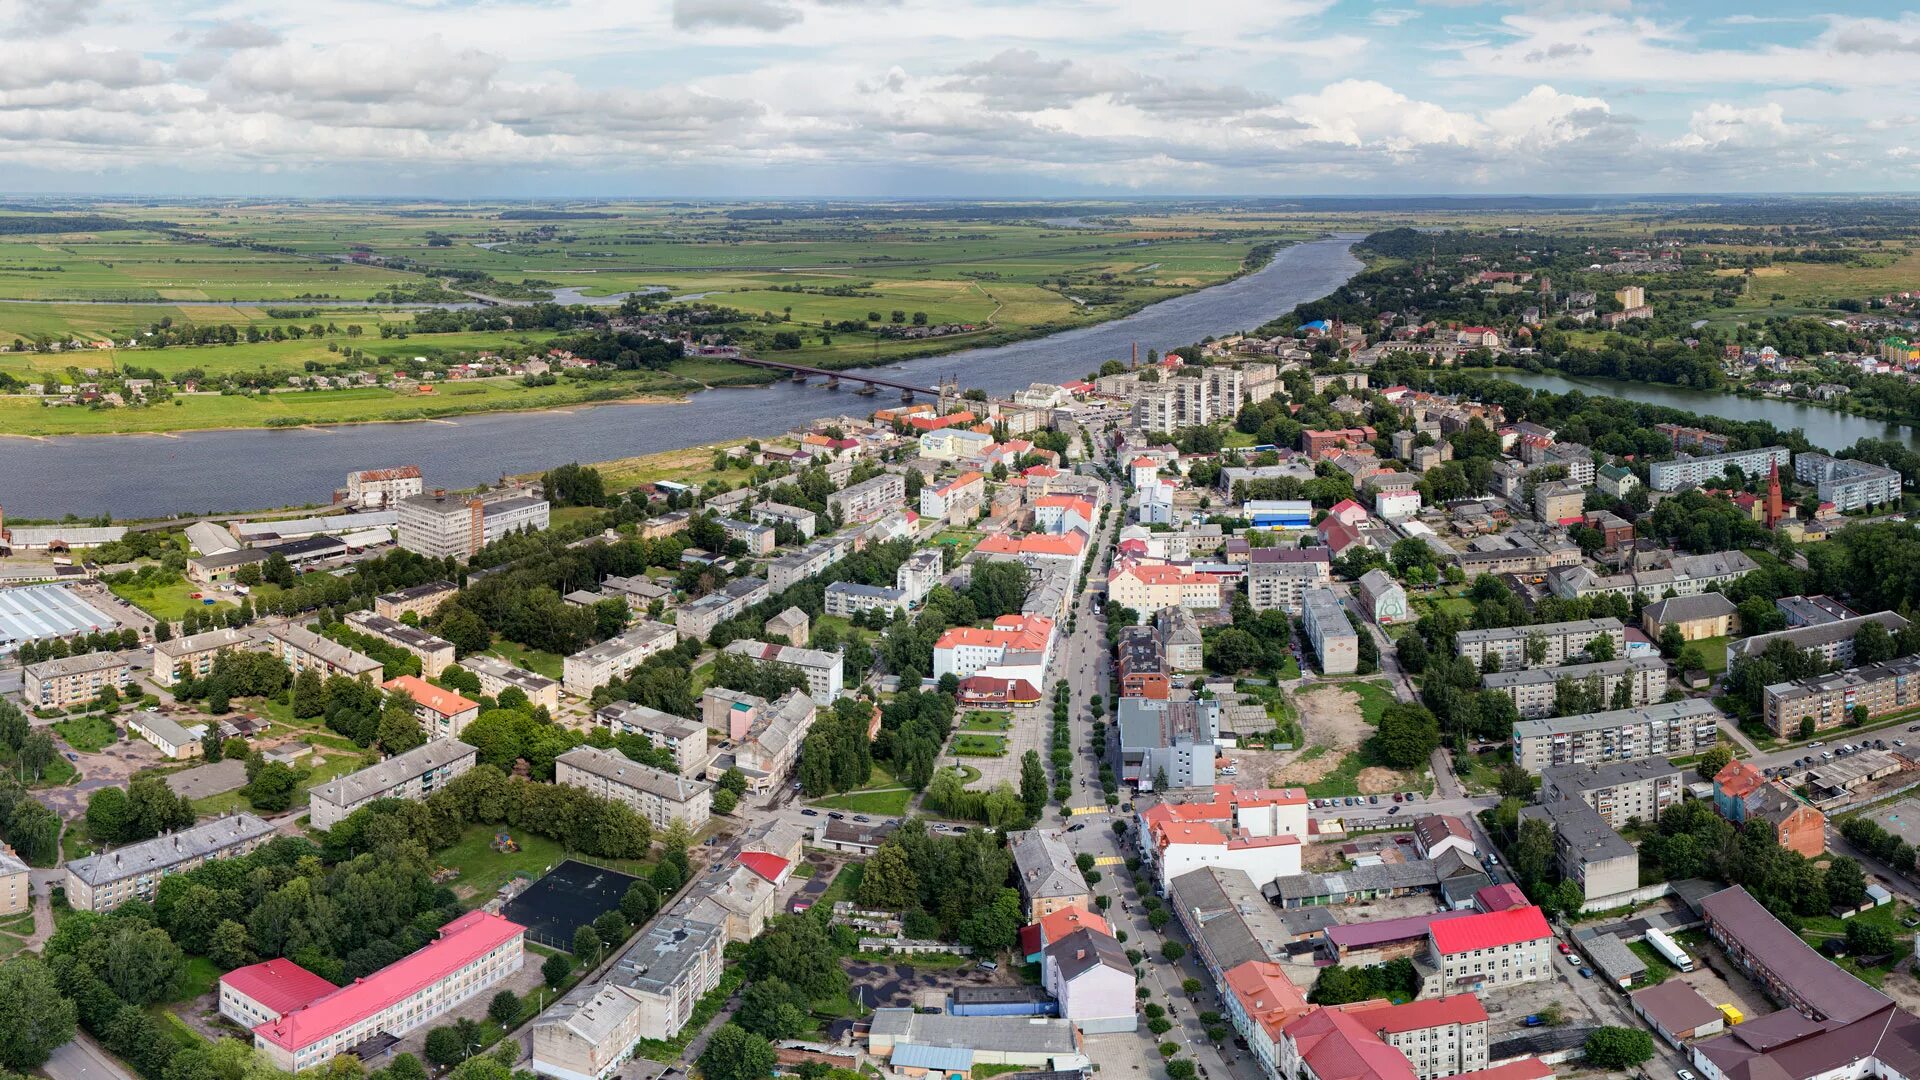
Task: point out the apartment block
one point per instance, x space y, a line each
496 676
698 619
442 526
1829 700
1561 641
1590 852
648 993
814 559
686 739
822 669
655 794
1336 644
104 881
1831 642
1684 470
436 654
778 514
869 499
763 740
1279 577
757 538
66 681
413 775
443 714
1846 483
303 650
849 598
422 600
615 658
1534 690
192 657
1442 1036
1666 729
1501 948
1618 791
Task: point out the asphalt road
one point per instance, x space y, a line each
82 1059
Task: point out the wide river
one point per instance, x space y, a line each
142 476
1825 428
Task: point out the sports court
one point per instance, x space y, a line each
39 612
571 896
1902 819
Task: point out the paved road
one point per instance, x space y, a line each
83 1059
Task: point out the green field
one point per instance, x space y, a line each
170 599
540 663
986 721
970 745
837 281
88 734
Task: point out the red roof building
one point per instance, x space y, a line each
472 953
1335 1046
264 992
767 865
986 690
1489 930
1500 897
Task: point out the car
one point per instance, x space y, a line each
988 965
836 815
1565 949
1586 973
1076 826
809 813
1899 742
862 819
1815 745
1397 797
1403 839
1826 755
71 756
959 828
1392 811
1684 1074
1373 800
1573 960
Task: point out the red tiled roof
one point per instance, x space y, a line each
1266 994
1068 919
1500 897
1338 1047
766 864
444 702
1433 1012
1490 930
461 942
279 984
1738 779
1524 1069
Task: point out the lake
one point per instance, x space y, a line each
144 476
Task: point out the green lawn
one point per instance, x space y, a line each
534 660
1818 929
1658 970
1480 773
201 975
986 721
970 745
484 870
88 734
967 773
335 766
170 599
1713 653
1374 699
845 885
889 803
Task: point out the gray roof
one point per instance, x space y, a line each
1501 680
10 864
1615 960
1609 774
299 637
1561 629
880 592
658 959
1009 1034
647 719
1413 875
1706 605
1235 921
72 535
224 559
613 766
382 627
356 787
76 665
1803 637
634 637
169 850
431 588
1086 949
1691 708
165 727
1044 865
1581 828
1825 988
494 667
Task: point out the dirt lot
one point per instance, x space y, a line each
1332 727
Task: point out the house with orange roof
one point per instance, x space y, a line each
1142 471
923 422
1036 550
1178 847
1262 1001
1147 586
1330 1044
1060 513
443 714
1036 936
1015 647
957 501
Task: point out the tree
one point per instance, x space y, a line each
273 787
228 946
724 801
1858 716
1671 641
1618 1047
734 1053
1869 939
1033 784
143 965
639 902
503 1008
772 1009
1846 885
444 1048
1173 951
1873 644
586 946
108 815
1713 760
889 883
994 926
34 1016
1600 648
1408 735
556 969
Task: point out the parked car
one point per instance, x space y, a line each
1586 973
1076 826
862 818
1565 948
836 815
1392 811
1573 960
1684 1074
809 813
988 965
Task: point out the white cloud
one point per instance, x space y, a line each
1751 127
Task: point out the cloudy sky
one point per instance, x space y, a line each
954 97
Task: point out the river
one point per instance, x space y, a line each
1826 428
144 476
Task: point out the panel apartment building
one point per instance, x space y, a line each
104 881
1618 791
436 654
413 775
1336 644
869 499
648 993
1846 483
422 600
496 675
1684 470
1829 700
66 681
655 794
1534 690
616 657
1668 728
442 526
1832 641
303 650
1280 577
192 657
1562 640
686 739
822 669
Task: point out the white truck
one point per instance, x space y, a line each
1670 949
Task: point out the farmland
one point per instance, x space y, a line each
340 289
